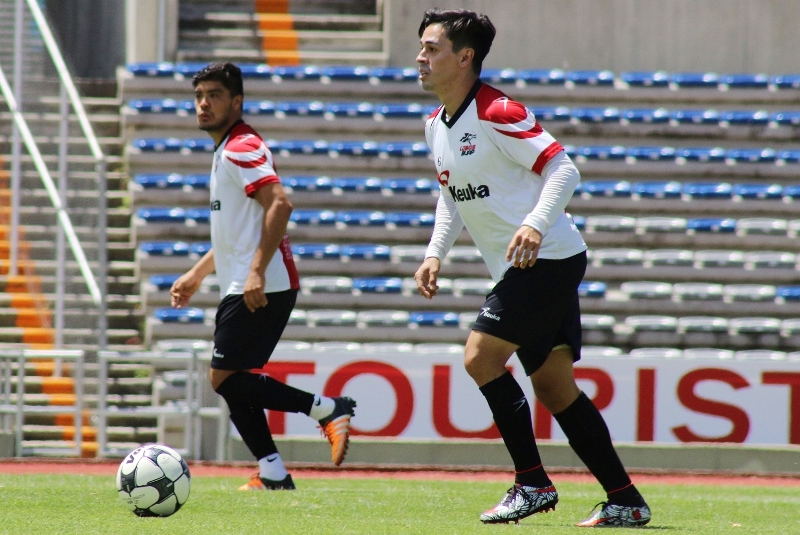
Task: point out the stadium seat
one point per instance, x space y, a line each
408 253
744 117
656 190
353 148
327 317
790 327
610 223
702 324
195 216
645 115
410 185
360 218
344 73
646 225
646 290
645 78
464 253
303 146
708 80
179 315
656 352
600 351
348 109
316 250
541 77
759 354
658 154
292 345
707 353
466 320
157 69
388 285
592 289
202 144
385 318
499 76
307 183
313 217
428 348
743 81
717 258
551 113
297 317
694 116
358 184
164 281
312 108
602 152
700 154
597 322
793 228
595 115
787 293
445 286
697 291
605 188
710 224
189 69
409 219
785 157
365 252
590 77
164 248
393 74
786 81
761 226
153 105
668 257
467 286
400 111
748 292
161 215
157 144
196 181
433 319
791 193
706 190
789 118
387 347
748 155
403 149
579 221
299 72
640 323
757 191
258 107
332 346
770 259
606 257
255 70
159 180
181 345
323 284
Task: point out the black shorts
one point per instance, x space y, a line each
245 340
536 308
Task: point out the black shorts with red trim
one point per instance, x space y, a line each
536 308
245 340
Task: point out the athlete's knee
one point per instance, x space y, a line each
217 377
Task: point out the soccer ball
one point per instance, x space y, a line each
153 480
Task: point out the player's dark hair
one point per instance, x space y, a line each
228 74
465 29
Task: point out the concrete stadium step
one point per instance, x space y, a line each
90 400
73 284
313 57
298 21
81 338
58 448
81 300
74 318
49 267
67 433
307 41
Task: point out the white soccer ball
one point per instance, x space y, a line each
153 480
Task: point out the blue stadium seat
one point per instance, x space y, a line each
602 152
707 190
551 113
189 69
592 289
344 73
748 155
358 184
296 72
316 250
606 188
302 108
590 77
786 81
389 285
353 148
651 153
184 107
541 77
366 251
646 115
153 105
656 190
202 144
313 217
164 281
401 111
692 116
157 144
711 224
787 293
179 315
791 192
645 78
744 117
410 185
403 148
161 214
160 69
164 248
701 154
362 218
198 215
307 183
788 156
757 191
499 76
197 181
744 81
198 249
789 117
410 219
596 115
159 180
255 70
394 74
348 109
303 146
433 319
694 79
579 221
258 107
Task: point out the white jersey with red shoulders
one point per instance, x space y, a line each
242 165
498 169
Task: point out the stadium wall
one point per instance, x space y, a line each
622 35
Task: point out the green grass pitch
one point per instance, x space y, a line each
45 504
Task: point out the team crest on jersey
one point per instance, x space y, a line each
468 147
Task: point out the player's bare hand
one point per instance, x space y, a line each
524 247
184 288
427 276
254 296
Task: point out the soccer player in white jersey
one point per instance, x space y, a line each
508 182
258 281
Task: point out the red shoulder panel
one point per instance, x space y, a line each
494 106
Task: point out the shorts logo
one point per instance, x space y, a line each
486 314
216 354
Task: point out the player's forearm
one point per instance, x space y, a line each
561 178
276 219
204 266
446 229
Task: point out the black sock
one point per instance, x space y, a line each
512 414
589 437
251 422
248 389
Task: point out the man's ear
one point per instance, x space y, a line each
238 101
465 56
